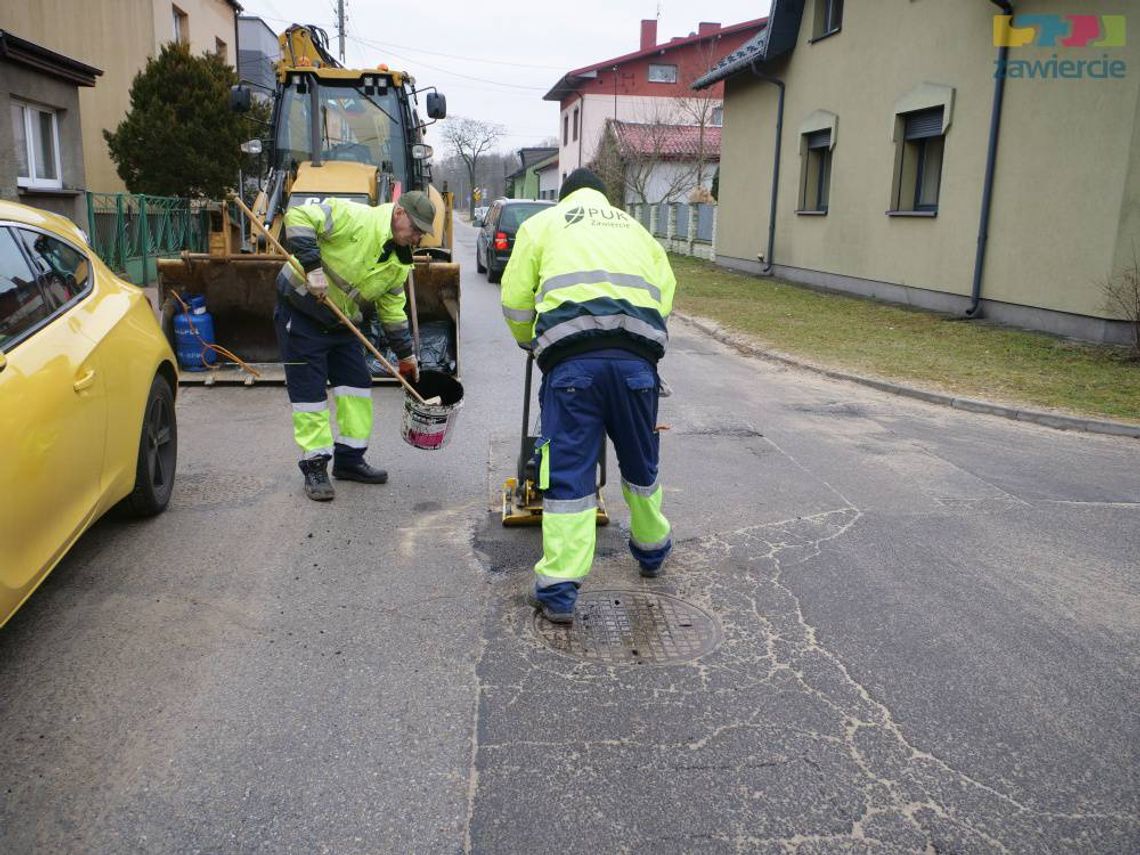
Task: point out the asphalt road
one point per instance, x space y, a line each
927 640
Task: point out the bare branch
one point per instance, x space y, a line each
469 139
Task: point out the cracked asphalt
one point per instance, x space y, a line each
929 625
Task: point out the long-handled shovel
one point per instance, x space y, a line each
333 306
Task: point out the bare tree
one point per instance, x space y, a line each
644 161
700 107
638 163
469 140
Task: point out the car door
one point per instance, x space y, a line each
52 416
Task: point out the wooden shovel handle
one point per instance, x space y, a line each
329 303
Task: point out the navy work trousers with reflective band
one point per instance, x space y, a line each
584 398
316 357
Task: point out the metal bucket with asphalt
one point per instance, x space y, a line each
428 426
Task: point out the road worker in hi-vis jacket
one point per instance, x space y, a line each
358 257
587 291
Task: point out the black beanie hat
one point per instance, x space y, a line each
579 179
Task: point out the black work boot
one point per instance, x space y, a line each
318 487
359 471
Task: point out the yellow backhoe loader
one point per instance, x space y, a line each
351 133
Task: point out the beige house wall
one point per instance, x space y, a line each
1066 168
117 36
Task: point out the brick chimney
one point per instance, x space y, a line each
648 34
707 28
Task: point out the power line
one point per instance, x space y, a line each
457 56
448 71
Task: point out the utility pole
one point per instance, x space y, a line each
340 27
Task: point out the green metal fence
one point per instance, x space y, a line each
131 231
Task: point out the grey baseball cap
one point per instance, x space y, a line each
420 208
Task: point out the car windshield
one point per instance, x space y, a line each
513 216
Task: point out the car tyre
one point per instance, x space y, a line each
494 274
479 266
158 454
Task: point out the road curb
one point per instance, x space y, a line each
971 405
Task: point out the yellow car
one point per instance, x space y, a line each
87 383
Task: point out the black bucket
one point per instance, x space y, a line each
428 426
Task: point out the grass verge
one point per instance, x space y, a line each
971 359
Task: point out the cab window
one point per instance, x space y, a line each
61 269
23 305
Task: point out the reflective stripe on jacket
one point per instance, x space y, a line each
353 244
583 276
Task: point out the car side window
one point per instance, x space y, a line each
22 302
62 270
493 216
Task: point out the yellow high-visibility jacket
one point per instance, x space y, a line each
585 276
353 244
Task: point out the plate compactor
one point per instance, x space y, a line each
522 497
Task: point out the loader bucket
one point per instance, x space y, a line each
239 292
241 295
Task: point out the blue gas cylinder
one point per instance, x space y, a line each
193 330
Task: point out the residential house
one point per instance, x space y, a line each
652 85
523 183
653 163
937 154
43 166
258 53
118 38
549 181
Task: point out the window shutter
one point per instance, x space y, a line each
924 124
819 139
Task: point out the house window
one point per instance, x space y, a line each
181 25
816 182
828 18
565 130
220 49
717 117
575 123
36 130
918 173
662 73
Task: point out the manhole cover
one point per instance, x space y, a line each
628 628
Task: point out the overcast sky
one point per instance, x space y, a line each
494 61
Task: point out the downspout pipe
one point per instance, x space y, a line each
974 311
581 125
768 263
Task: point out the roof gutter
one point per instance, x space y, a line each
768 263
974 311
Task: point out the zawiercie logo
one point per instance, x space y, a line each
1095 31
574 215
1061 31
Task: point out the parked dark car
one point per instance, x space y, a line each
496 238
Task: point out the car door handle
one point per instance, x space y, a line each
86 381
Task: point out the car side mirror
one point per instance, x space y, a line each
477 222
436 105
240 98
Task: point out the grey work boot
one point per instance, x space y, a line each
318 487
547 612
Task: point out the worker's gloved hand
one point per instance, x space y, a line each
316 283
409 368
